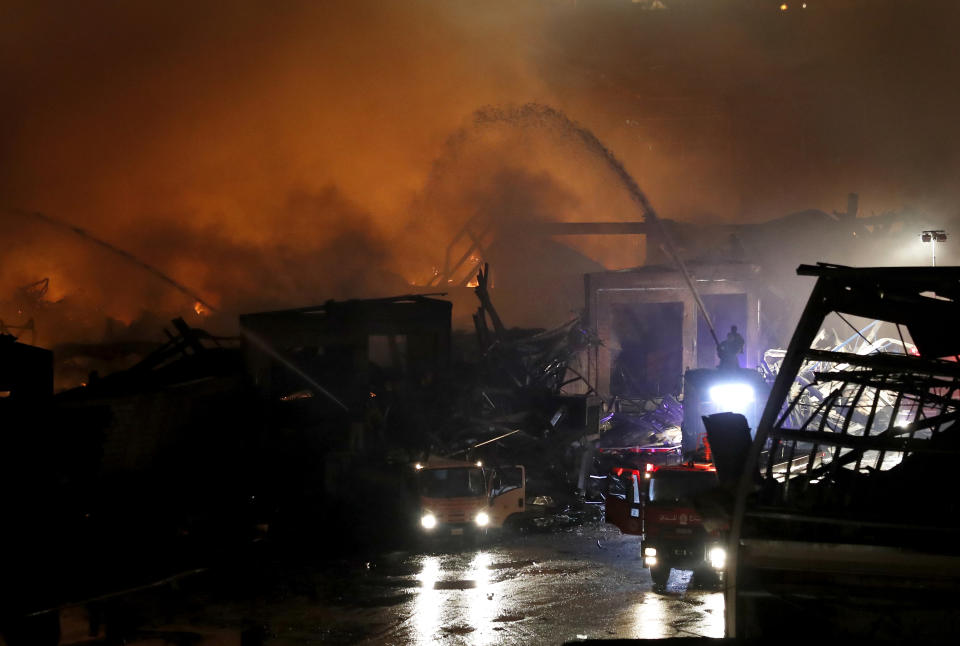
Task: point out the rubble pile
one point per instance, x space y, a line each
514 407
657 426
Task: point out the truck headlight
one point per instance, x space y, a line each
649 551
718 557
482 519
429 521
649 561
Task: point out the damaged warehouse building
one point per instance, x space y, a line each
653 335
619 366
312 412
640 333
640 330
643 351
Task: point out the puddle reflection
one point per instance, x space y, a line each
713 623
460 600
484 602
650 617
679 612
426 607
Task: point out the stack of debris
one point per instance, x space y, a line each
526 359
517 406
810 391
658 427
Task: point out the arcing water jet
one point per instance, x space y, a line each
544 116
83 233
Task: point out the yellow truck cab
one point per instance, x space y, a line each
459 497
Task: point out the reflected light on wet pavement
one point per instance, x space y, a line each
426 606
675 613
651 617
483 600
549 589
459 601
586 583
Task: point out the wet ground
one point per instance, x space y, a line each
581 583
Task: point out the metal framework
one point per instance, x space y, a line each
845 504
479 232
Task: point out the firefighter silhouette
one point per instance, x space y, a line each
730 349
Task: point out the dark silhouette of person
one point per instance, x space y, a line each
730 349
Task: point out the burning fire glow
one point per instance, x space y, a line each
200 309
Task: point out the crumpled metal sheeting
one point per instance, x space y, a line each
658 427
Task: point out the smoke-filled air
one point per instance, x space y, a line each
165 159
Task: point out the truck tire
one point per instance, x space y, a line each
660 574
708 578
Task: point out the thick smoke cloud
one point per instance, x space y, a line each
278 154
262 155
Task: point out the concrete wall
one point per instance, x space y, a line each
666 285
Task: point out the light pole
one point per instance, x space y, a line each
933 237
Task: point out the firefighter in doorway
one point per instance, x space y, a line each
730 349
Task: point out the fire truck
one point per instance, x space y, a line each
656 504
460 498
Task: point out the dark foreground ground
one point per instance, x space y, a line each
584 582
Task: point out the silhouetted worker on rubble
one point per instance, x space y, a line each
730 349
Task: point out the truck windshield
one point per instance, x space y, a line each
668 486
452 483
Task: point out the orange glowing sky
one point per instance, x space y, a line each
277 154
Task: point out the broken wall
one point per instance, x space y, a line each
650 329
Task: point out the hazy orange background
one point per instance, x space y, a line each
280 154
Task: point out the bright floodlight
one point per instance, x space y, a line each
718 557
933 236
733 397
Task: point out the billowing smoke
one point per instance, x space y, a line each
263 156
278 154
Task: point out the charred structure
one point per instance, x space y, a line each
182 460
844 511
26 371
357 358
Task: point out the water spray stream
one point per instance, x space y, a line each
534 114
83 233
292 367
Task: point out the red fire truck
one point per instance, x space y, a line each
656 504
